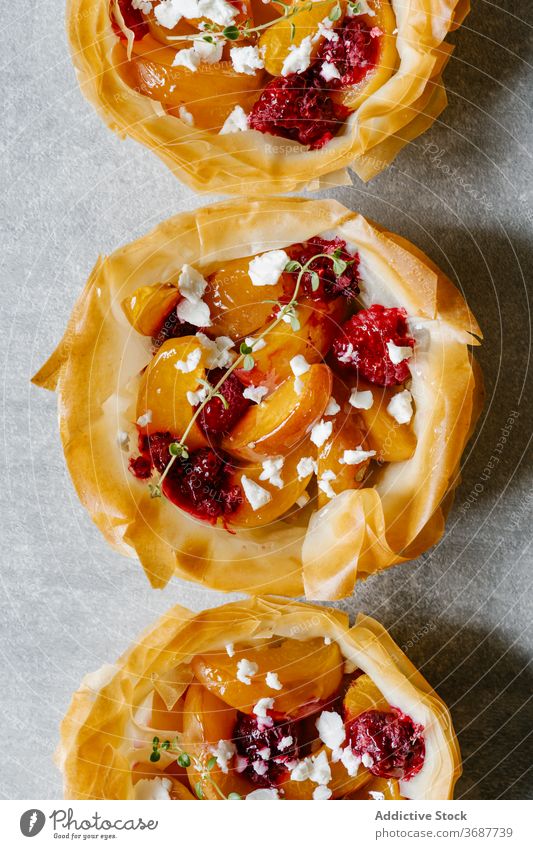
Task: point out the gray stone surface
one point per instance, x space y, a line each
463 193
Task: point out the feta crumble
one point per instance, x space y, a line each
123 439
255 344
169 12
329 72
367 760
320 432
267 268
350 762
260 709
272 467
299 365
246 669
145 419
285 743
298 58
361 400
306 466
186 116
302 500
333 408
321 792
196 313
191 308
197 397
400 407
330 727
324 483
256 495
218 353
398 353
230 650
353 458
223 752
263 794
255 393
155 789
236 122
190 363
246 60
273 682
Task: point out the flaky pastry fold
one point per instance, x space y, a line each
393 115
96 372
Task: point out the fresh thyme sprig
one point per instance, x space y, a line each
286 312
185 760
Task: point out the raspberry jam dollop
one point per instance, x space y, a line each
393 741
354 52
330 285
361 344
217 418
264 752
200 485
294 107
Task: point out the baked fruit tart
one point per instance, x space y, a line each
267 396
275 95
261 699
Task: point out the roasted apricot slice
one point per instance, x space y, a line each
148 307
378 789
391 441
308 671
238 308
162 398
177 775
282 420
290 31
346 435
164 718
363 695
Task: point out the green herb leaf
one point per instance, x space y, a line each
315 281
198 790
155 490
208 38
221 397
155 757
335 13
248 363
175 449
293 265
211 763
245 349
339 266
165 745
184 759
293 31
231 32
234 796
295 324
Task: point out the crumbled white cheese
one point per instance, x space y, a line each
325 30
398 353
273 681
267 268
218 351
302 770
376 795
400 407
330 727
263 794
223 752
361 8
306 466
350 761
255 344
154 789
246 669
333 408
208 52
262 706
196 313
260 767
298 58
272 467
349 355
256 495
320 432
264 753
353 458
361 400
327 641
191 283
367 760
188 365
255 393
169 12
246 60
197 397
321 771
324 483
145 419
236 122
299 365
285 743
302 500
321 792
123 439
143 6
186 116
329 72
230 650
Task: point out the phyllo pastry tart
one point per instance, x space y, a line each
260 699
267 396
276 95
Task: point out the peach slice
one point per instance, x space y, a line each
363 695
210 93
237 306
288 32
378 789
391 441
208 720
388 59
282 499
308 671
345 436
164 718
164 387
318 326
148 307
177 775
281 421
